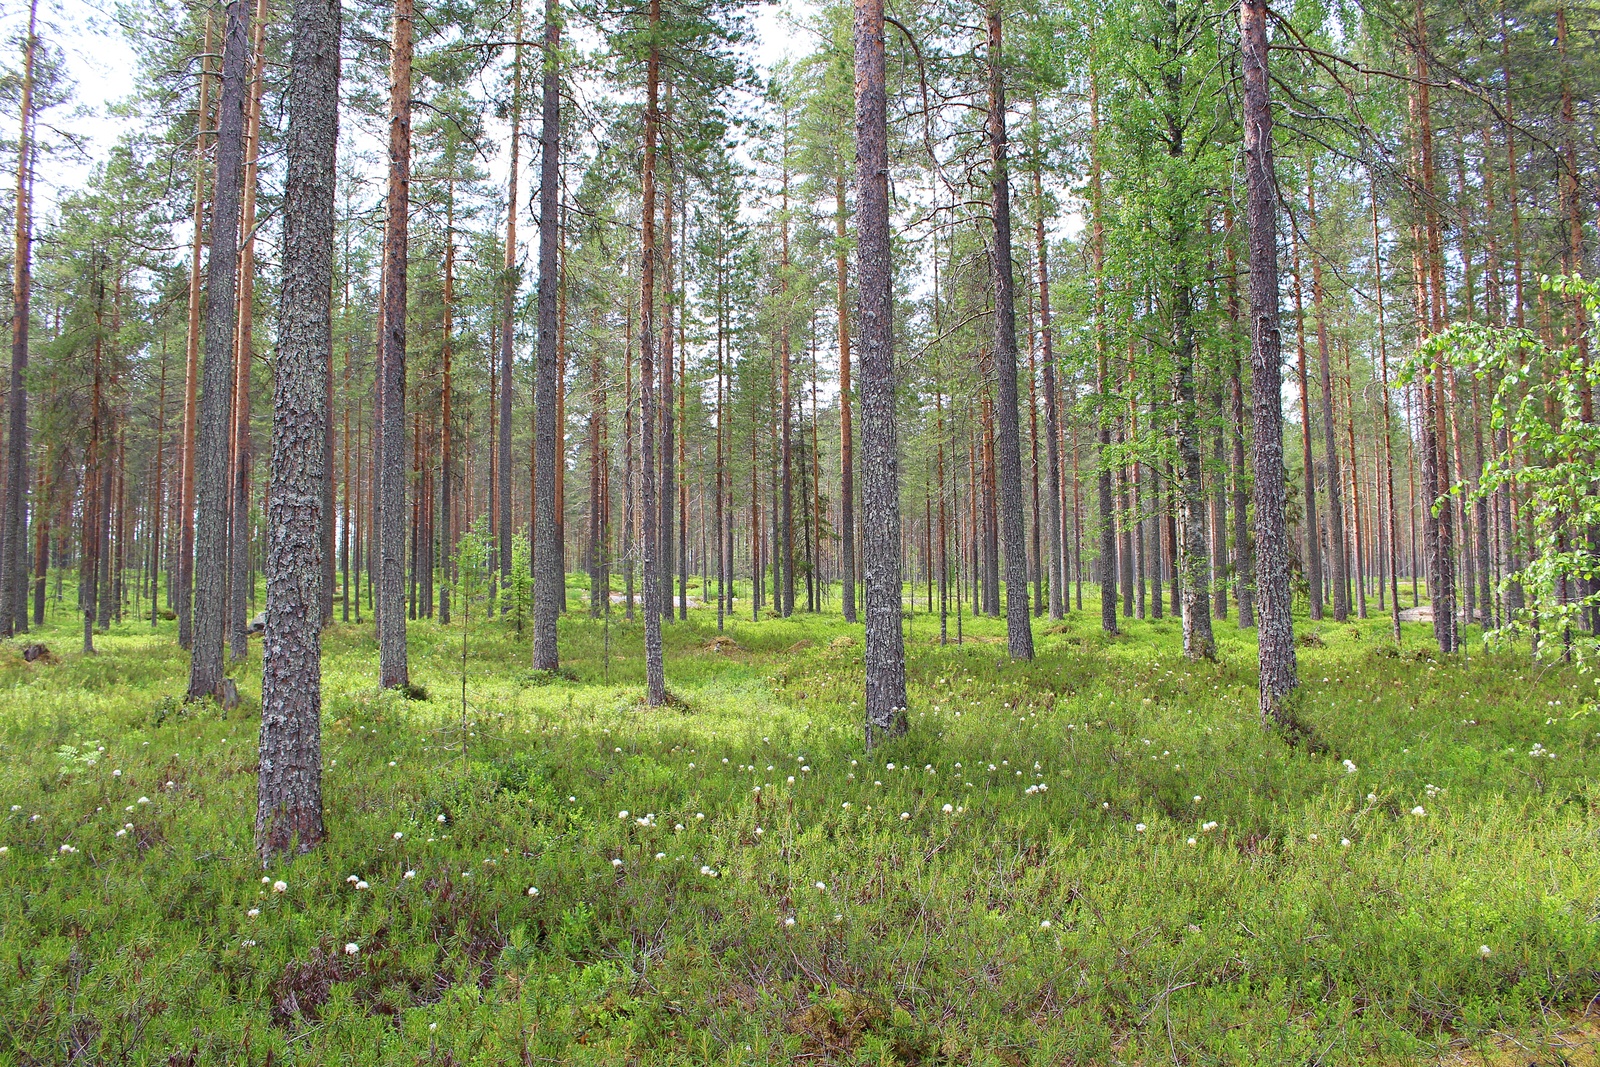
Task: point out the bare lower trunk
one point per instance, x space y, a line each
289 791
547 578
1276 655
1019 626
216 390
654 670
884 655
847 497
390 606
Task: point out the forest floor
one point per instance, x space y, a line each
1099 857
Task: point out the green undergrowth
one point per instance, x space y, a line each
1098 857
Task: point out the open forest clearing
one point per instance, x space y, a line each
1152 444
1096 857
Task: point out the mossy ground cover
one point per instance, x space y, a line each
1099 857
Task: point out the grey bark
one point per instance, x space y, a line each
547 579
390 604
216 381
654 669
289 789
1276 647
884 655
1019 625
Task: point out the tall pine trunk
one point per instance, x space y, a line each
1276 647
547 578
216 385
191 381
289 789
239 542
884 655
1019 626
13 532
1339 578
390 605
501 519
847 496
654 669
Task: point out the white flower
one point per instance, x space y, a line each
1044 924
1484 951
351 948
440 818
116 773
616 862
1344 842
361 885
1349 767
846 805
121 832
4 849
67 850
142 800
353 879
253 912
623 814
432 1027
822 886
759 831
1138 828
699 815
409 874
904 815
398 835
789 921
791 780
947 809
280 886
1418 810
1190 842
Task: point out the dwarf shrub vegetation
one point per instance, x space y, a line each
1098 857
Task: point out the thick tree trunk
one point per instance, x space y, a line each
13 531
1276 655
289 792
547 578
390 605
1019 626
216 387
884 655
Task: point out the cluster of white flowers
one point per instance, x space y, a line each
1037 787
1349 767
1539 750
1207 827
